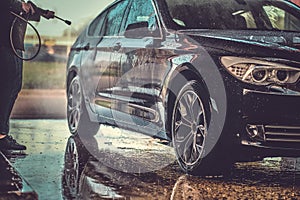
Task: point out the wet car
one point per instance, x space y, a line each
217 81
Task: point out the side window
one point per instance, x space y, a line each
281 19
96 25
114 19
142 11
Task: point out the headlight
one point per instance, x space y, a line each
260 72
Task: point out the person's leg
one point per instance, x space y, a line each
7 76
16 83
10 85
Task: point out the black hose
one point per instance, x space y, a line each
11 37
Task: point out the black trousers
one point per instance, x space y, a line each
11 70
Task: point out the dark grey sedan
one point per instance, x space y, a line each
217 81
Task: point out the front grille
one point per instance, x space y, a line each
287 134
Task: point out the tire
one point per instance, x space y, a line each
77 114
189 131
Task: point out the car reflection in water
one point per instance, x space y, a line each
85 177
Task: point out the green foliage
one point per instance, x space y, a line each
44 75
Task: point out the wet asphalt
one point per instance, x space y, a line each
117 164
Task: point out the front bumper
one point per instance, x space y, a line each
271 122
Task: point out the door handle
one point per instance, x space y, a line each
86 47
117 46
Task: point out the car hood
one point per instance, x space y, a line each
253 43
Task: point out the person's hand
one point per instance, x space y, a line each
27 7
49 14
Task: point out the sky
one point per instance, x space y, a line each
77 11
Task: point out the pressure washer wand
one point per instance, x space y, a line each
66 21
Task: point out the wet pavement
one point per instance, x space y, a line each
117 164
12 184
42 165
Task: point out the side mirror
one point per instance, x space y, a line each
137 30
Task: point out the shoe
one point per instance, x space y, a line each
8 143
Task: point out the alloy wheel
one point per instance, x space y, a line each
189 127
74 105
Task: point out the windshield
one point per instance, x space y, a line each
235 14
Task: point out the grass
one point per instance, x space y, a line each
44 75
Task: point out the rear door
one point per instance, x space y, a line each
107 59
138 83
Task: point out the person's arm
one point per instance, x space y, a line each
40 12
48 14
16 6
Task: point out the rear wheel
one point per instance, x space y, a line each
189 128
77 114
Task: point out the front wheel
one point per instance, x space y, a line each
189 128
77 114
